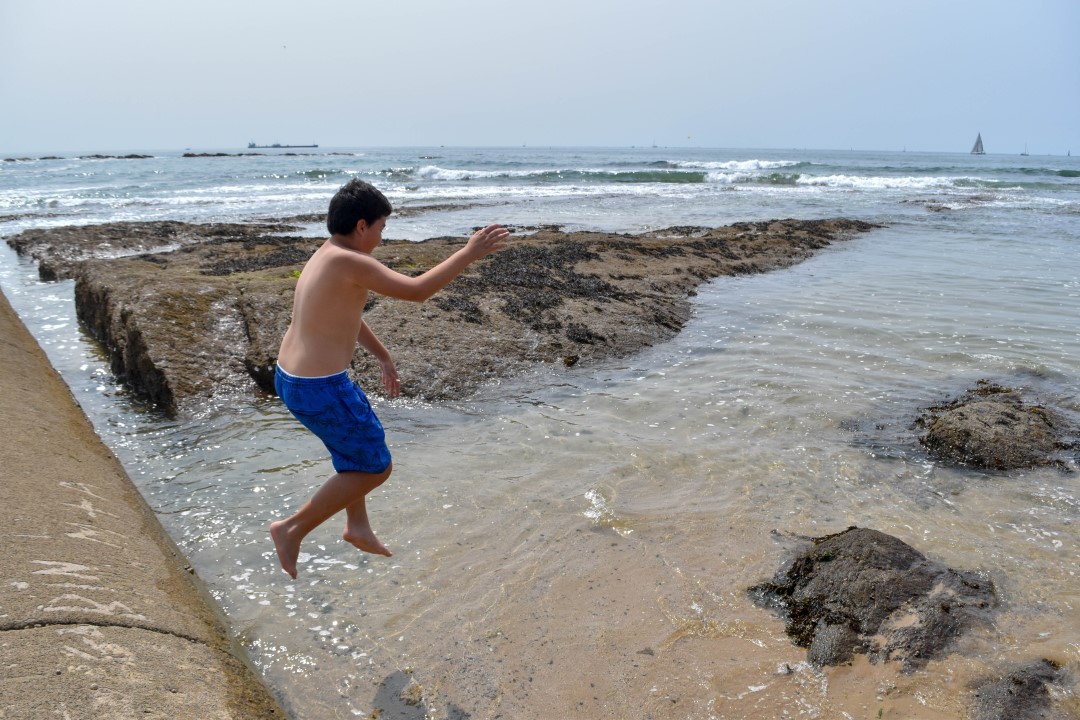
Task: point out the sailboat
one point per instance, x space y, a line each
978 149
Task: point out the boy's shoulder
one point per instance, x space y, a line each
336 252
345 262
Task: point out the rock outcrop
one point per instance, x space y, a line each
991 427
862 591
207 311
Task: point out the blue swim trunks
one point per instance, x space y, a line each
337 411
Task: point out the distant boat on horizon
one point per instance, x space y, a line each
978 149
252 145
1025 153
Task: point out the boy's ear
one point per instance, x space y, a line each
361 225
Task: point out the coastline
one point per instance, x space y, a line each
101 615
763 415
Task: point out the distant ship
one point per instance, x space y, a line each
278 146
978 149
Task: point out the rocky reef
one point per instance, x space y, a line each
186 311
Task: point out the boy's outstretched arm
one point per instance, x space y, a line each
383 280
370 342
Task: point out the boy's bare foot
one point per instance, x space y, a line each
363 538
287 550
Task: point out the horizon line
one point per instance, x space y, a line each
9 155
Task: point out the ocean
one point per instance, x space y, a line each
577 542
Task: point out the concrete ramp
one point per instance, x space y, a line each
100 615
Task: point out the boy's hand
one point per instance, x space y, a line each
488 240
390 377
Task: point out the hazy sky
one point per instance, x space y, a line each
111 75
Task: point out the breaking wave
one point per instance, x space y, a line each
738 165
435 173
857 182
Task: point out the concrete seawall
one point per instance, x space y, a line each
100 615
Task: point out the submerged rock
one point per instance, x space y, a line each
991 427
862 591
1023 694
207 311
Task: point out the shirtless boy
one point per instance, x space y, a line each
327 322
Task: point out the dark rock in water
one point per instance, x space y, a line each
1021 695
132 156
196 310
862 591
833 644
401 697
992 428
222 154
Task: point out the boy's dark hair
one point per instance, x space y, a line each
356 201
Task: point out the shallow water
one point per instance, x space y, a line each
577 542
654 484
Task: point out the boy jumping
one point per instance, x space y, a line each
327 322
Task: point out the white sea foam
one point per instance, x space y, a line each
737 165
723 178
434 172
479 193
856 182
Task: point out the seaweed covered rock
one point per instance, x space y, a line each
1023 694
991 427
862 591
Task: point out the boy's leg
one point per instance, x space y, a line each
343 491
358 532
